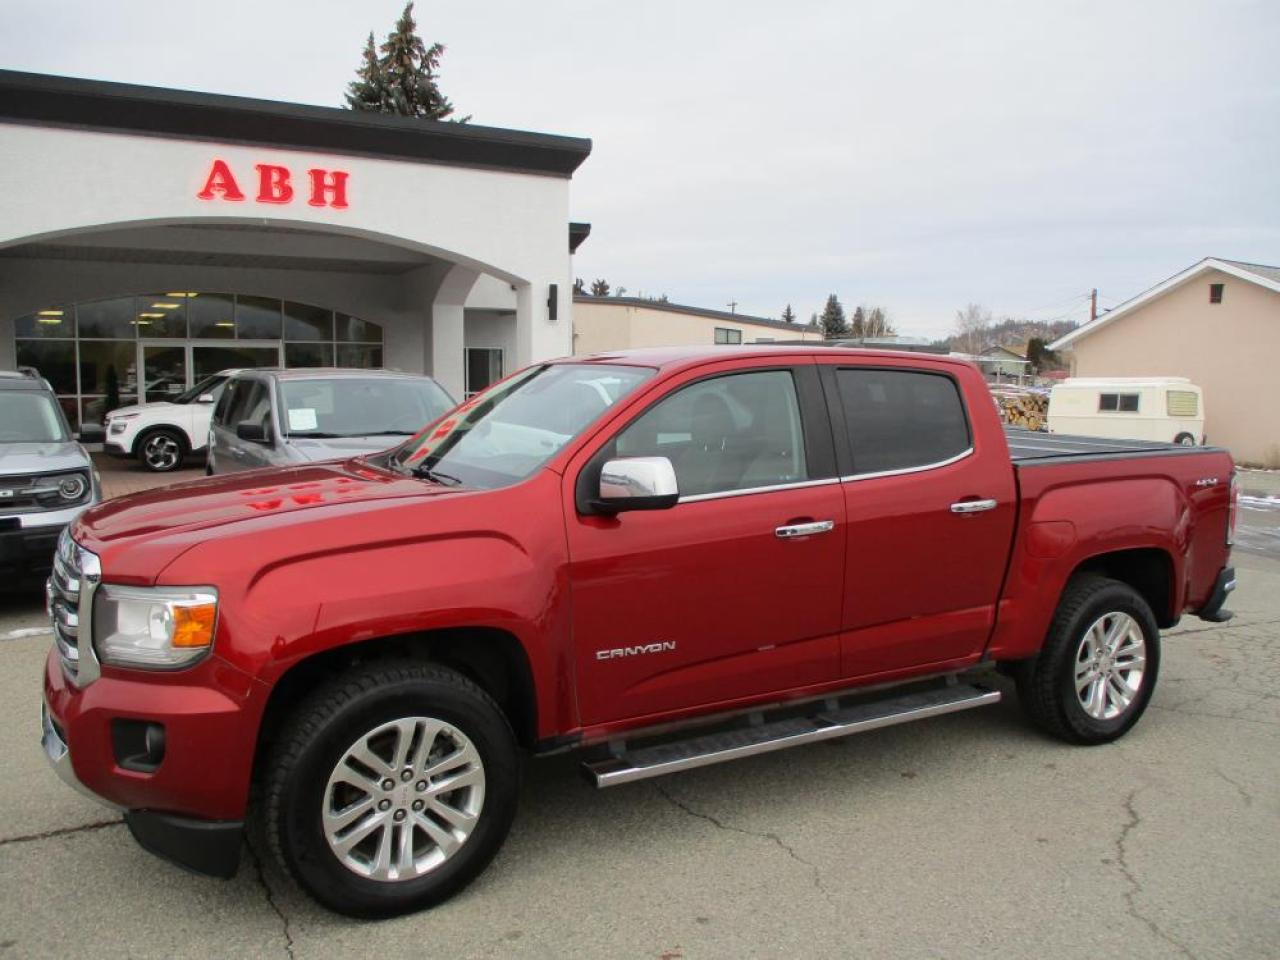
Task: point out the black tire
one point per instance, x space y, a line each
167 440
315 739
1046 684
1185 440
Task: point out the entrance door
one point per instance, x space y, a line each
164 371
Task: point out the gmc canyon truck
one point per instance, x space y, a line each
663 559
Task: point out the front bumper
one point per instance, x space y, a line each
28 540
190 808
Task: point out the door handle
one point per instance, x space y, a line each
973 506
793 530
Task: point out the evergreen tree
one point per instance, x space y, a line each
404 79
579 288
600 288
858 324
832 320
788 315
369 90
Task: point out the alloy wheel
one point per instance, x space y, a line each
161 452
1109 665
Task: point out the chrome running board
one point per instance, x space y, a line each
655 761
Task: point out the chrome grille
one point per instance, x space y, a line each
68 593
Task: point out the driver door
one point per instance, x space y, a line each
710 601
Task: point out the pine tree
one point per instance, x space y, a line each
369 90
858 324
832 320
788 315
403 80
600 288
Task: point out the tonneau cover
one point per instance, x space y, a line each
1029 446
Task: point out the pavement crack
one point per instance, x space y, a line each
719 824
62 832
1135 885
285 927
1244 794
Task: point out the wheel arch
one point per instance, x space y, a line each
492 658
183 437
1148 570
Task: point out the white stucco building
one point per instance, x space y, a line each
149 237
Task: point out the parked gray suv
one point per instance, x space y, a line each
46 476
268 418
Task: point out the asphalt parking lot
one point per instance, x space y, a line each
963 836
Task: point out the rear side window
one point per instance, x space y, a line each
901 419
222 411
1184 403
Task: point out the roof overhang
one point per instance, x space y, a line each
43 100
1160 289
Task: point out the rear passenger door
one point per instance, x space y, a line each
930 509
246 398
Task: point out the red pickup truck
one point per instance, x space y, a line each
661 558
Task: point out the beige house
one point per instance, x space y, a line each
1216 323
602 324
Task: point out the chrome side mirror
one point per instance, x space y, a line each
637 483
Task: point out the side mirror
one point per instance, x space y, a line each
91 433
205 398
637 483
253 431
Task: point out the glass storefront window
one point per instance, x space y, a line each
354 330
107 319
211 316
308 354
71 410
55 322
305 322
54 359
109 368
257 318
161 315
359 355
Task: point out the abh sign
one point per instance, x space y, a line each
326 188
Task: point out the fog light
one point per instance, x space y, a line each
138 745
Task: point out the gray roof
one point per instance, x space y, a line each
694 311
1260 269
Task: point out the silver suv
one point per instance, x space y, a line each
268 418
46 476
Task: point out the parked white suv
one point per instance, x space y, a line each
162 434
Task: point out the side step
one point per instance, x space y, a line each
655 761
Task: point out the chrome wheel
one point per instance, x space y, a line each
1109 665
161 452
403 799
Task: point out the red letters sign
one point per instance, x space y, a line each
326 188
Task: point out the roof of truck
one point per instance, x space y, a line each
675 357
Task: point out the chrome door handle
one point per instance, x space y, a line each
973 506
804 529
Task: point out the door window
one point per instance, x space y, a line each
234 403
737 432
901 419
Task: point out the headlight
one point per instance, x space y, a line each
72 487
156 627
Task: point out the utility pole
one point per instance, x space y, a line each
733 306
1093 304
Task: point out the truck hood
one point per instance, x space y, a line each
18 458
313 450
138 535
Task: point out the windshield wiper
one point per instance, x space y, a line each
436 476
317 435
385 433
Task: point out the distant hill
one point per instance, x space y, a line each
1014 332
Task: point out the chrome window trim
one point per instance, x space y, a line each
905 470
747 491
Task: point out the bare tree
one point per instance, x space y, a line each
973 327
875 322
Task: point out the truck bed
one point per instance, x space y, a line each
1029 447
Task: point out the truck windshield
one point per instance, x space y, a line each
29 418
360 406
504 434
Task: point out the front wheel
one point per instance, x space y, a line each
392 788
1095 674
161 451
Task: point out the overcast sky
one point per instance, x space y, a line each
918 155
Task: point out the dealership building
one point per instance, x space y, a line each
150 237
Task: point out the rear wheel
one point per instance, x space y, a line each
391 789
1185 440
1094 677
161 451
